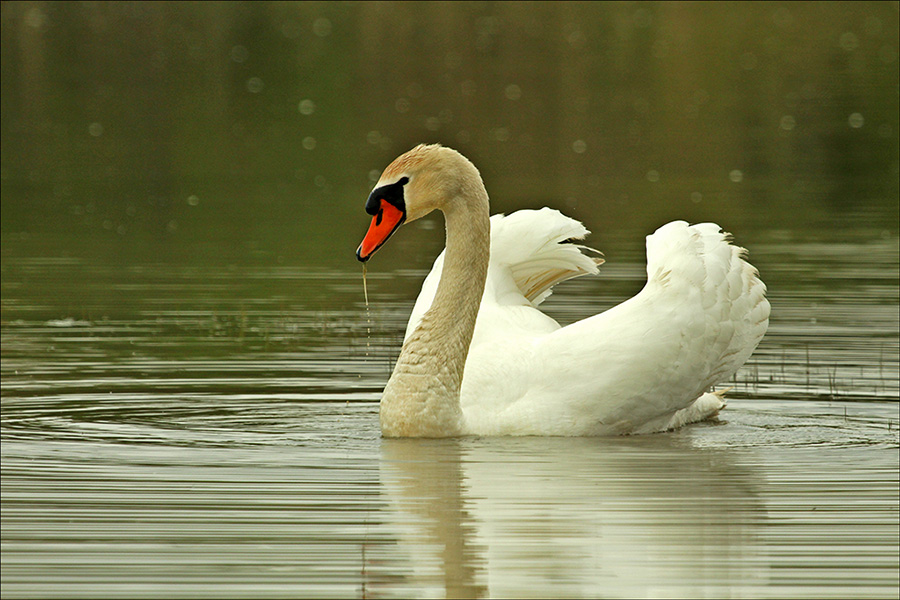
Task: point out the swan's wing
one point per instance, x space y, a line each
535 245
531 251
696 321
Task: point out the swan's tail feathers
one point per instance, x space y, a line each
538 246
699 264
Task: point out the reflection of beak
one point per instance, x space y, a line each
384 223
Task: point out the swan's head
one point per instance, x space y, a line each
426 178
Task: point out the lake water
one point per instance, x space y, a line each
190 375
214 432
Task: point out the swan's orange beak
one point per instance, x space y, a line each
384 223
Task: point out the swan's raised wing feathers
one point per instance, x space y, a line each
531 251
535 246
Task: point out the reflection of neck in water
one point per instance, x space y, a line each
423 482
507 517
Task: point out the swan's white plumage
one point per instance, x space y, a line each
641 366
528 257
480 358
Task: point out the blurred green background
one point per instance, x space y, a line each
208 132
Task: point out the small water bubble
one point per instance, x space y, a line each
306 107
35 18
856 120
432 123
193 200
736 176
576 38
696 197
848 41
254 85
579 146
486 32
95 129
309 142
320 181
239 54
787 123
322 27
500 134
513 92
402 105
374 174
653 175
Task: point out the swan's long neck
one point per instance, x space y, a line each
422 397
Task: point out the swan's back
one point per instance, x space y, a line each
630 369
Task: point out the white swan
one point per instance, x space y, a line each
480 359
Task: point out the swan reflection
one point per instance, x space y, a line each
514 517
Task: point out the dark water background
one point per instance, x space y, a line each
190 375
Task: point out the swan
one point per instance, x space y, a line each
479 358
